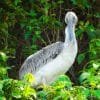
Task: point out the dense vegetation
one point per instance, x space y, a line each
28 25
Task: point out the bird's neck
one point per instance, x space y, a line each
70 34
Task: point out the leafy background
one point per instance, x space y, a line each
27 26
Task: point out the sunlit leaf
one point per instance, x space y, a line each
3 57
28 91
96 66
84 76
2 98
29 78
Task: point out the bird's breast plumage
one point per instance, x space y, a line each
56 67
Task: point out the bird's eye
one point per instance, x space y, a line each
73 18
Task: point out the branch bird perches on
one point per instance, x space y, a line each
55 59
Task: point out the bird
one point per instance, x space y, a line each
51 61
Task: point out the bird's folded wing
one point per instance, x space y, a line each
35 61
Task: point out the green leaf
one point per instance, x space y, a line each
42 94
84 76
1 85
96 66
80 58
61 82
3 72
16 93
29 78
96 93
28 91
98 43
3 57
2 98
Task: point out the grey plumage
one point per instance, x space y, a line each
34 62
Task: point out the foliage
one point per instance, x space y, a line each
23 22
11 89
26 26
61 89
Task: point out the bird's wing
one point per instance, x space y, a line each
40 58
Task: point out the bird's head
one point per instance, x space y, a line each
71 18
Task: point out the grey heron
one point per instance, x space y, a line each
55 59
